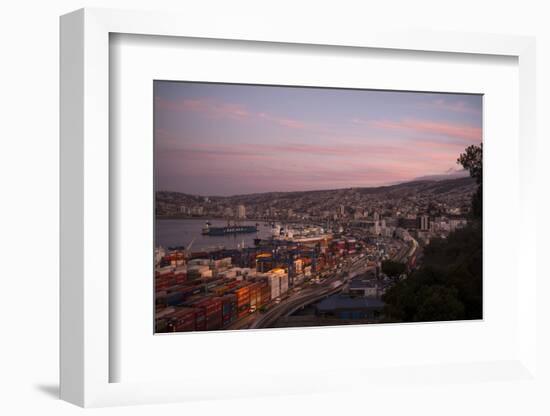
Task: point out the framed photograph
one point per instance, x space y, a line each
292 208
282 206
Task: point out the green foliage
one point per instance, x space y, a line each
477 203
447 287
393 268
440 303
472 160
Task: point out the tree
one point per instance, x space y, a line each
393 268
448 285
472 160
439 303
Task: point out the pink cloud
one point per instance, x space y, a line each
206 106
459 131
455 107
342 151
217 109
349 164
286 122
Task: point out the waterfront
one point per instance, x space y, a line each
181 232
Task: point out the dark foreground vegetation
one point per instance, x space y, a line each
448 285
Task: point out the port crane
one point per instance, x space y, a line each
188 248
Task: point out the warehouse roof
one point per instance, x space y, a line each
344 302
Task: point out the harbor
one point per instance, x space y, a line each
181 232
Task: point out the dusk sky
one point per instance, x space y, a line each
225 139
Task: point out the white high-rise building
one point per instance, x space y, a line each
424 223
241 211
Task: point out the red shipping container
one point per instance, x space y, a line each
182 320
200 320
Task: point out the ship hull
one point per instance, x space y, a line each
245 229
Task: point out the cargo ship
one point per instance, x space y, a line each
229 229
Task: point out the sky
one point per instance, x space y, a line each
230 139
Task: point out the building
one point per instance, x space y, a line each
363 288
228 212
455 224
408 223
343 307
241 211
424 223
277 281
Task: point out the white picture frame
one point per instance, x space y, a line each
85 182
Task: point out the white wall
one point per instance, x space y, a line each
29 208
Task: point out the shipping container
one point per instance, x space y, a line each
200 320
180 277
183 319
211 309
163 312
265 295
243 295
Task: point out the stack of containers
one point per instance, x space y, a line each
254 296
224 288
221 263
180 277
182 320
214 283
176 258
212 308
274 285
284 283
177 294
243 300
164 280
229 309
200 319
214 314
173 298
265 292
219 290
229 273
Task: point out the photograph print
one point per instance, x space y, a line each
287 206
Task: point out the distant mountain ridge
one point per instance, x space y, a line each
423 185
445 176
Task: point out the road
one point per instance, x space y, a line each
327 287
406 252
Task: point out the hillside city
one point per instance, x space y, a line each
329 259
408 200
